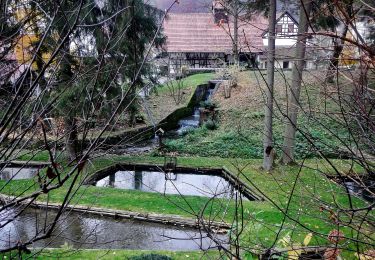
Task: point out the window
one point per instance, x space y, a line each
285 64
279 28
290 28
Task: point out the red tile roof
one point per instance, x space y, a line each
198 32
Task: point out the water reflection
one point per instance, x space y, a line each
88 231
365 191
16 173
169 183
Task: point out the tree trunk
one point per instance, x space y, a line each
235 32
268 150
294 91
334 61
135 54
65 77
71 135
132 107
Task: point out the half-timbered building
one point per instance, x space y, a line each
286 38
205 40
318 48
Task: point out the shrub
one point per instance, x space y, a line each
140 118
211 125
208 104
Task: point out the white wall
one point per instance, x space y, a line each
285 37
281 42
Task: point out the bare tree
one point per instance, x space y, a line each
268 154
300 203
176 84
339 42
294 91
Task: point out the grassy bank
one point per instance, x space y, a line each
262 219
167 98
241 120
187 82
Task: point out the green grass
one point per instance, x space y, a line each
246 141
193 80
262 219
241 124
33 155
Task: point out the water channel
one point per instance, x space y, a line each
193 121
17 173
356 189
94 232
169 183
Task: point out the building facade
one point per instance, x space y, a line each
206 40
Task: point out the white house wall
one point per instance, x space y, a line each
287 35
281 42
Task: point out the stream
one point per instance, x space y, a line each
184 124
193 121
94 232
88 231
358 190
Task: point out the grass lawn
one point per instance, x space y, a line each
299 200
193 80
262 219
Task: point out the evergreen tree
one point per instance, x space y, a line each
91 83
121 43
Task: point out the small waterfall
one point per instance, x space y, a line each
191 122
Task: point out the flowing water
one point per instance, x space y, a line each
95 232
169 183
191 122
188 123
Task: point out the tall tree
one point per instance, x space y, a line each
64 29
268 153
236 14
295 89
236 9
133 31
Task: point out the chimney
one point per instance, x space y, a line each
219 12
